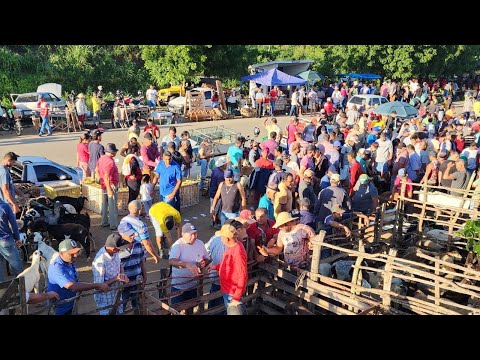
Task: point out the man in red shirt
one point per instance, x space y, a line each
264 162
108 173
262 231
355 171
44 113
152 129
232 271
273 98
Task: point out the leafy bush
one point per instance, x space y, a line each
471 231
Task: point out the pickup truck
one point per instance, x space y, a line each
39 171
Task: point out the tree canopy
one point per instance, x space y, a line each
134 67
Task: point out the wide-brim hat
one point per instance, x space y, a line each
81 96
111 148
220 161
283 218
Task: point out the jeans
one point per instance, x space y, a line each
127 295
186 295
185 173
224 216
293 110
240 309
109 204
203 171
45 125
151 103
9 252
96 117
272 107
175 202
147 204
258 106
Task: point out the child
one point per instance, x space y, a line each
145 190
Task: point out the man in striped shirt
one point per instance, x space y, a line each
132 262
139 227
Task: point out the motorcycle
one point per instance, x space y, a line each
9 122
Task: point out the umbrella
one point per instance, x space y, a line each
273 77
311 76
403 109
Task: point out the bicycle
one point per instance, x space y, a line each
9 123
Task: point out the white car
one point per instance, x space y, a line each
369 99
40 171
27 103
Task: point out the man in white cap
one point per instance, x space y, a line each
334 194
293 240
187 257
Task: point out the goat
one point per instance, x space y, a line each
47 251
67 217
77 203
59 232
32 274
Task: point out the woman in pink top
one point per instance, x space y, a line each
291 130
83 155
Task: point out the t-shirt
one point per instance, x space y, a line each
329 219
82 151
443 169
254 231
384 147
459 181
61 273
107 166
6 178
273 127
363 198
235 154
295 244
266 203
95 150
160 211
408 187
471 158
188 253
168 177
151 94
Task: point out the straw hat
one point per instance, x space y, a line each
81 96
283 218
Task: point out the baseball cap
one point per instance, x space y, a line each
115 240
189 228
228 173
333 169
367 152
337 143
337 209
220 161
335 178
443 155
363 178
227 230
126 229
247 215
67 244
272 186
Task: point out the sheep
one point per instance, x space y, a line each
77 203
32 274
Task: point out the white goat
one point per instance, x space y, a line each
32 274
47 251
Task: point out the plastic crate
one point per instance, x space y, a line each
62 188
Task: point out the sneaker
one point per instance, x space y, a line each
49 134
40 134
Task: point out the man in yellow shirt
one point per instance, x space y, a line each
164 217
476 108
96 104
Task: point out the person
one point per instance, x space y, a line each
305 187
7 190
186 163
365 196
334 194
262 230
306 216
284 197
215 180
232 195
131 147
171 136
205 153
170 176
259 99
146 189
33 298
81 110
267 200
141 235
215 100
397 185
150 154
44 114
187 258
96 108
95 151
132 261
232 271
119 111
106 269
9 241
293 240
152 129
216 248
164 217
151 95
134 129
63 278
291 130
234 157
109 178
131 169
83 155
338 215
273 127
459 177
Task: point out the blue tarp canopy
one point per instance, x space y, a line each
361 76
274 77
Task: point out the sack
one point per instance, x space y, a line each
211 164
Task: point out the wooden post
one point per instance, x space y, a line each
357 274
387 278
424 207
23 299
317 242
437 282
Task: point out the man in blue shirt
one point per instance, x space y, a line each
7 191
234 157
63 278
170 175
9 239
266 201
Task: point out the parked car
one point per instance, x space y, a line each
27 102
177 105
369 99
165 95
39 171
